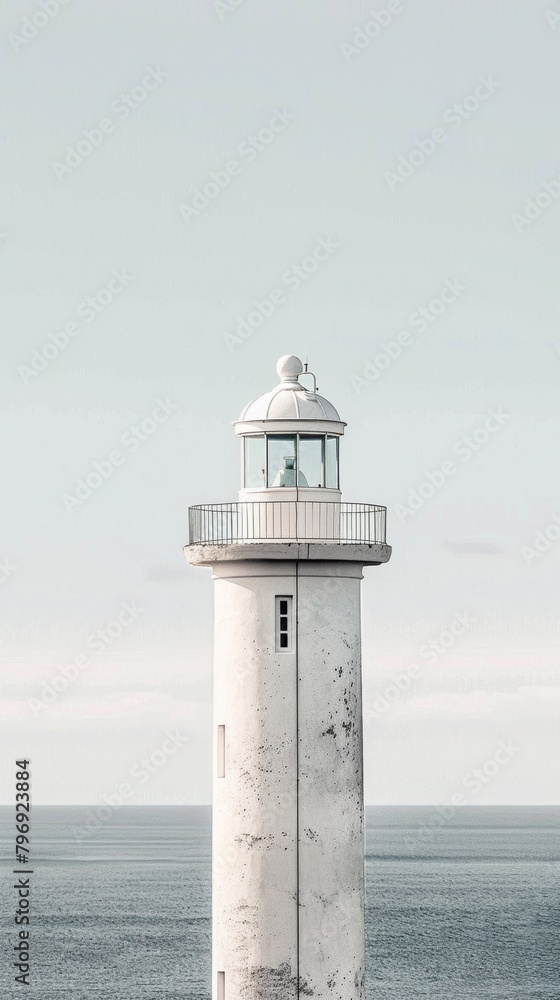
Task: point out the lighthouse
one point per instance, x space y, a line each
287 559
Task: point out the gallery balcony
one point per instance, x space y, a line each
311 521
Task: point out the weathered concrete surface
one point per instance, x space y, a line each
358 552
288 815
331 801
254 898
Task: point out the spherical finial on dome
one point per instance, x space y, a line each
289 367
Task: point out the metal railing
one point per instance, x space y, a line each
287 520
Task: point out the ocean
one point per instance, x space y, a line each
462 904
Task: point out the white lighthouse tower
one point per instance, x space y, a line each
288 809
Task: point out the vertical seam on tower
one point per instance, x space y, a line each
297 773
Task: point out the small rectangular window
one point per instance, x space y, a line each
221 751
221 991
284 624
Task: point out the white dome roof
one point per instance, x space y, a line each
289 400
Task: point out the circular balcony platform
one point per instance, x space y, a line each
366 555
290 529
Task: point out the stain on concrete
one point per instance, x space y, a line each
360 982
248 839
304 988
266 983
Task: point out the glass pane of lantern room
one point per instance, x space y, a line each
332 462
254 462
281 459
311 460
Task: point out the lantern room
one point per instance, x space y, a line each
290 440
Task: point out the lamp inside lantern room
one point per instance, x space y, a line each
273 460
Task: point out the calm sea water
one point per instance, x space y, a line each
467 910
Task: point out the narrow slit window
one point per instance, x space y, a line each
221 991
284 624
221 751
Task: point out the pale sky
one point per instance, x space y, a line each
174 92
